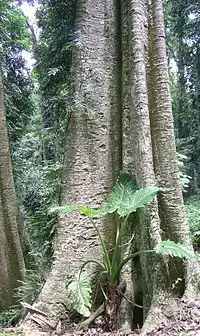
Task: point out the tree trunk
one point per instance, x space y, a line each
172 210
153 280
93 144
155 162
11 255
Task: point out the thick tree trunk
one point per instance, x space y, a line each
172 210
94 149
93 145
151 285
11 255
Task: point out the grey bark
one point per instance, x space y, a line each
93 144
11 255
172 214
151 282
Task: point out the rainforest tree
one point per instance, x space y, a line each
15 107
183 47
121 97
11 255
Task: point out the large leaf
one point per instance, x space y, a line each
125 198
64 208
79 293
123 189
140 198
174 249
82 208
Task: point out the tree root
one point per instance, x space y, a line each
119 290
161 311
85 324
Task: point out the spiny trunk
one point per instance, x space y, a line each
11 255
93 144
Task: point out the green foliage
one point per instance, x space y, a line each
173 249
30 286
54 55
79 291
183 36
124 200
10 316
37 183
15 38
193 213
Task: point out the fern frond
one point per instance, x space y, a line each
174 249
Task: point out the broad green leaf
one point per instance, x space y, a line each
89 212
123 190
79 293
140 198
175 250
64 208
125 198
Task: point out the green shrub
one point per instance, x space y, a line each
192 204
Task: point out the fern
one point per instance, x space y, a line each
175 250
79 293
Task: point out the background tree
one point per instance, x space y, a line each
11 255
15 88
183 41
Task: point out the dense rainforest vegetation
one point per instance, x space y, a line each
100 167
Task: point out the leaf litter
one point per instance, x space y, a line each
184 322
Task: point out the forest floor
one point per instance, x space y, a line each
185 322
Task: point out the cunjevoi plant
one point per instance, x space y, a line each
124 200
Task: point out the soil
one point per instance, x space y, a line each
184 322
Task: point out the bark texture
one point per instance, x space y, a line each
11 255
172 210
147 229
93 144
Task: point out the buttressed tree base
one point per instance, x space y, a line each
121 119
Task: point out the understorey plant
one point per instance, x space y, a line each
123 200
